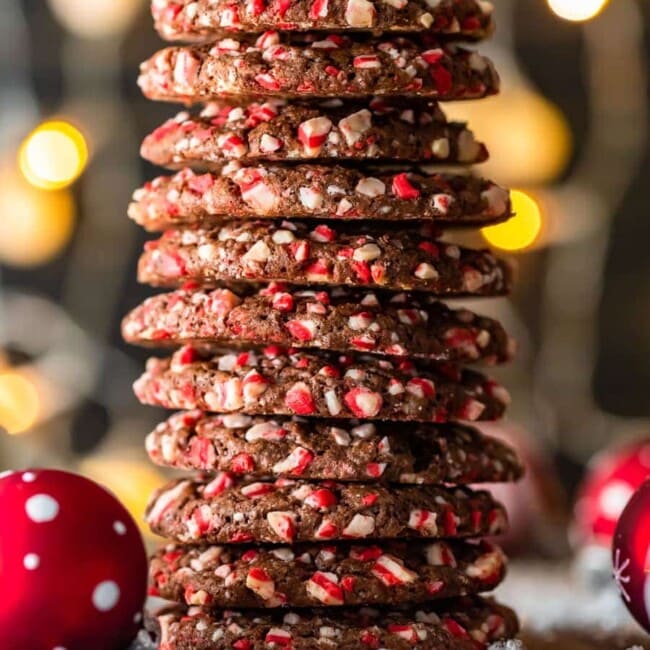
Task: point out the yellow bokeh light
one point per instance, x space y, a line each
528 137
35 224
131 481
577 10
54 155
522 230
19 403
96 18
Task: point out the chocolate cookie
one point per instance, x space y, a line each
276 382
277 130
315 191
205 20
224 511
298 66
332 576
295 252
469 623
336 319
262 447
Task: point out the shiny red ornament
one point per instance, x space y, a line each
613 477
631 555
73 567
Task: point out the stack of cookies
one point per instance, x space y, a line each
324 387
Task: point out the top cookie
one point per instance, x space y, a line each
203 20
298 66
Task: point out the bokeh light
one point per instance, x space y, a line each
54 155
528 137
577 10
522 230
35 224
19 402
96 18
131 481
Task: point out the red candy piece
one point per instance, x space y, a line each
300 400
72 561
242 464
631 555
403 188
322 499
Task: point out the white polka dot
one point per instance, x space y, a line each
6 473
41 508
614 498
137 618
31 561
59 647
106 595
119 528
29 477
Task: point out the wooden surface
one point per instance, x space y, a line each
576 640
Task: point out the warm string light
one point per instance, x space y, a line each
577 10
19 402
131 481
528 137
96 18
522 230
35 224
54 155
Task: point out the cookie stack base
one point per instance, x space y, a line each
463 624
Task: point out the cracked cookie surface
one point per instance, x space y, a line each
224 510
331 575
187 199
378 130
204 20
278 382
469 623
342 320
331 450
299 67
316 254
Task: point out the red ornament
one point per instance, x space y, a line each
73 567
613 477
631 555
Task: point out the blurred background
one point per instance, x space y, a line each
568 133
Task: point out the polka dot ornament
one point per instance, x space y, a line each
612 478
73 562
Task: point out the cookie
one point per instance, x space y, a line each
470 623
314 191
222 510
298 66
277 382
205 20
330 576
277 130
381 257
262 447
338 319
